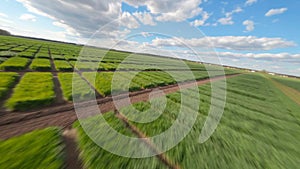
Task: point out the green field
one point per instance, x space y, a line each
37 149
40 64
66 79
259 129
260 126
34 90
293 83
14 63
6 81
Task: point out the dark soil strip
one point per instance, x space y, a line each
162 157
10 92
64 119
72 153
17 123
59 99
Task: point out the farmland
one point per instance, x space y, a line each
50 156
39 80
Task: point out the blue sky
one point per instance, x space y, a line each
256 34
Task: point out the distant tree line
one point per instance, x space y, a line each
4 32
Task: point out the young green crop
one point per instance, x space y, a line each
34 90
57 57
2 60
7 54
104 80
95 157
62 65
259 128
82 91
7 79
40 64
15 63
85 65
26 54
37 149
43 54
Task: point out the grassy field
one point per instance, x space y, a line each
83 89
290 82
37 149
34 90
259 129
6 81
62 65
14 63
40 64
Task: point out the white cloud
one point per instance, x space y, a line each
85 17
27 17
272 12
3 15
69 30
249 25
202 21
250 43
127 20
170 10
146 34
250 2
227 20
145 18
5 20
260 55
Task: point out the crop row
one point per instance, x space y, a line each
37 149
15 63
7 79
40 64
68 80
34 90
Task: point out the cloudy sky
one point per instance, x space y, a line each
258 34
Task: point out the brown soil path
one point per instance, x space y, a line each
59 99
72 153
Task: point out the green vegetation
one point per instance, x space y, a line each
15 63
26 54
37 149
62 65
34 90
40 64
290 82
7 54
2 60
44 55
83 90
259 129
85 65
7 79
95 157
57 57
103 82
